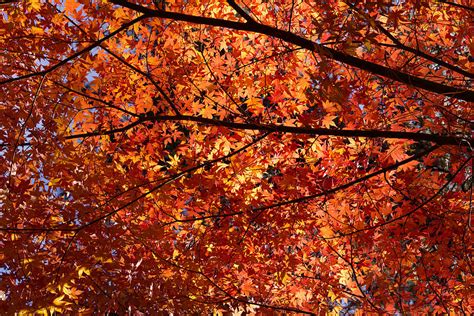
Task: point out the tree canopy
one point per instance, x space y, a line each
211 156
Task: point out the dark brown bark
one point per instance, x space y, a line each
251 26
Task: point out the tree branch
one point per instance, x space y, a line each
167 181
435 138
75 55
412 50
414 210
146 75
214 284
241 11
438 139
396 75
457 5
347 185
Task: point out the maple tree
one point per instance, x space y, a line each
261 156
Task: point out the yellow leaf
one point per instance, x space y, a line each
209 247
67 289
34 4
53 182
59 300
285 279
328 121
367 44
37 30
27 260
383 19
330 107
83 270
335 311
119 13
53 309
174 160
42 311
256 106
175 253
326 232
332 296
300 296
345 277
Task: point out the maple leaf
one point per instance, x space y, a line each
37 31
328 121
330 107
34 4
247 287
208 112
71 6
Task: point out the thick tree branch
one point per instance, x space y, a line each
2 2
457 5
437 88
241 11
435 138
438 139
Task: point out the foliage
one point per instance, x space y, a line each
210 156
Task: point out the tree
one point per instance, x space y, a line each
261 156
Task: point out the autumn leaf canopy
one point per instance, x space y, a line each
211 156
